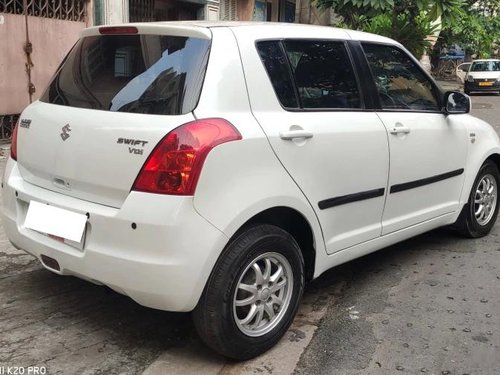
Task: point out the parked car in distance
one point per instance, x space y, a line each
217 167
483 76
462 70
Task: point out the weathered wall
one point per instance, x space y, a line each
307 12
51 39
245 10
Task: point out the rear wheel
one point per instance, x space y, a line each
253 293
480 213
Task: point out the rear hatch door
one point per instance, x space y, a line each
116 95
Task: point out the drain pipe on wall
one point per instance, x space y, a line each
28 49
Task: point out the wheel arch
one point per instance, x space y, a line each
296 225
468 224
474 167
495 158
483 145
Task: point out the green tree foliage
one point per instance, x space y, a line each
413 35
409 22
477 29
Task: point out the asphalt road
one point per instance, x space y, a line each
428 305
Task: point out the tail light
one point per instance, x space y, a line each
13 143
175 164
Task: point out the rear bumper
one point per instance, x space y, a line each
474 86
163 263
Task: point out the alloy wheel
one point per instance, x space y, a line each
485 199
263 294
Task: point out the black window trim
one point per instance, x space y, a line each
290 75
281 41
438 93
369 89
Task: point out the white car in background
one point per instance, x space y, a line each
483 76
217 167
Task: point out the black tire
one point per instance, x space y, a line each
215 317
468 224
467 92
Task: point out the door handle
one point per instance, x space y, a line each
399 129
294 134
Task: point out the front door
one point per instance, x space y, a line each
427 151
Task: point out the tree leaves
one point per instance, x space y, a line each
477 31
473 23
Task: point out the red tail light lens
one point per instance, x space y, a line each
13 142
175 164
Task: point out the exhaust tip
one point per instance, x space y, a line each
50 263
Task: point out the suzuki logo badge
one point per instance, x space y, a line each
65 132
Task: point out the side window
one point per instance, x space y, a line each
323 74
400 82
276 65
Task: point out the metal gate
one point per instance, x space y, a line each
71 10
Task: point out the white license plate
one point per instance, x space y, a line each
56 222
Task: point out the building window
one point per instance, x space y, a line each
98 12
141 10
228 10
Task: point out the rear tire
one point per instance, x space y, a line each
480 213
253 293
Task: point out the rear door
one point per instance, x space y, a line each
118 93
306 97
427 149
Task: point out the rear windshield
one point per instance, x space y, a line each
153 74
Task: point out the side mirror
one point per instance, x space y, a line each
456 103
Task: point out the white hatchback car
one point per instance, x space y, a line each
483 76
218 167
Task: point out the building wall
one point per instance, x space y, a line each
51 40
115 11
245 9
266 10
308 13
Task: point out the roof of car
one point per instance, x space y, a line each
274 29
480 60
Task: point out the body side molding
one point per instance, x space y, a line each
350 198
425 181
